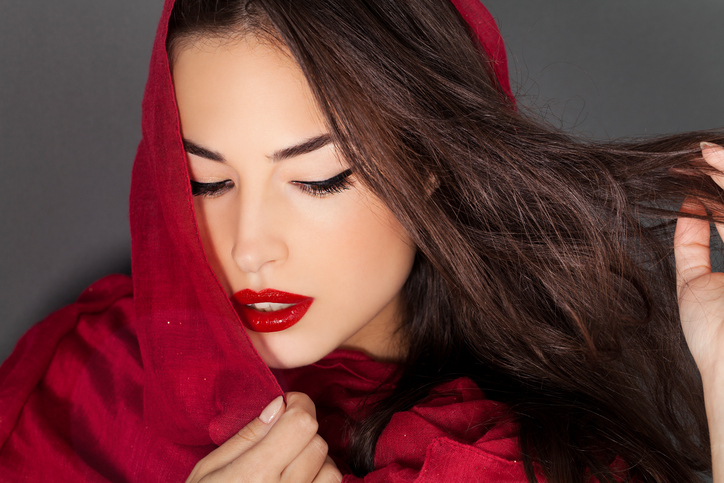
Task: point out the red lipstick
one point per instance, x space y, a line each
275 320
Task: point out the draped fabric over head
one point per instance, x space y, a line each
204 380
122 386
483 27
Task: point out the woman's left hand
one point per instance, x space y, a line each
701 291
701 307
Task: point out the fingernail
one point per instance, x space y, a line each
271 410
705 144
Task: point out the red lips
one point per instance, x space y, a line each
276 320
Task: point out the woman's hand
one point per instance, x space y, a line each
701 307
701 291
281 445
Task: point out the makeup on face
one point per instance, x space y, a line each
270 310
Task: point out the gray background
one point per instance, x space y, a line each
72 76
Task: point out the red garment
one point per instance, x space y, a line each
138 381
455 434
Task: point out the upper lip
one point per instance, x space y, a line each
249 297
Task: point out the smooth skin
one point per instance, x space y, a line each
701 307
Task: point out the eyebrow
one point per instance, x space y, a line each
304 147
196 150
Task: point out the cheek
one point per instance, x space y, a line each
367 252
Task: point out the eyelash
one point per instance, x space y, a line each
330 186
211 190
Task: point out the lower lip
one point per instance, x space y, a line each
275 320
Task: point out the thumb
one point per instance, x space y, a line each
248 436
255 431
241 442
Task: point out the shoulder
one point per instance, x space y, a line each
71 393
104 306
455 434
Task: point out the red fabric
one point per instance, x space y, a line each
138 381
71 399
455 434
482 25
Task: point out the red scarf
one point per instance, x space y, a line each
139 381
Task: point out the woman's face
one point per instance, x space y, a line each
281 218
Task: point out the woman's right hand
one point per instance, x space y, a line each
280 445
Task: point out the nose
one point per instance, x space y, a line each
259 238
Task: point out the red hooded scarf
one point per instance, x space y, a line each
140 379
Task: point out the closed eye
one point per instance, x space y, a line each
211 189
327 187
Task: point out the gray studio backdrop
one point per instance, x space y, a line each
72 76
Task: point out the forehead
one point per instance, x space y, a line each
227 61
247 85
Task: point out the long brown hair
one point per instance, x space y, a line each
544 268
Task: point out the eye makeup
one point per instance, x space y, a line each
327 187
323 188
211 189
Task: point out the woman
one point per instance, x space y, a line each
485 251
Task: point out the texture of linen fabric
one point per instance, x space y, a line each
141 378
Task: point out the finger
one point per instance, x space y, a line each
691 245
713 154
287 438
301 400
242 441
329 473
308 463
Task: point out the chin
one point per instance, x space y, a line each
284 357
287 362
